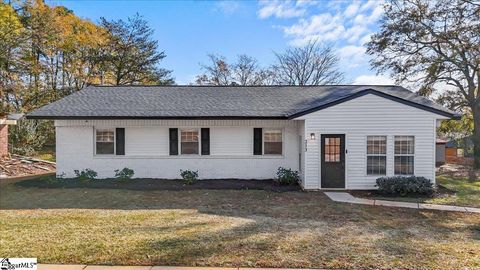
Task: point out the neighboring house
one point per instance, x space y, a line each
5 121
460 151
335 136
440 152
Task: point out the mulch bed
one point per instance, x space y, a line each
157 184
19 166
440 192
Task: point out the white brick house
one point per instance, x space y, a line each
335 136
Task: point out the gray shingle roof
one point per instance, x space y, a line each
216 101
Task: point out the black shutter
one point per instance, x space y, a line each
257 141
205 141
174 141
120 141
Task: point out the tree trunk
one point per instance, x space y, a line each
476 136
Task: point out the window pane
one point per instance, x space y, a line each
404 165
105 142
376 165
272 142
189 148
376 145
332 150
404 145
105 136
105 148
273 148
189 141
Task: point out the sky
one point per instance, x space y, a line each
189 30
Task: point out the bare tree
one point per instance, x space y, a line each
432 42
245 71
218 72
312 64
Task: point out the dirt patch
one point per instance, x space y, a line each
20 166
457 170
158 184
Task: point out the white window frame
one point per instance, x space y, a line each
114 140
180 140
404 155
263 141
376 155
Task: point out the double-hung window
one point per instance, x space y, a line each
376 155
272 142
105 141
404 155
189 141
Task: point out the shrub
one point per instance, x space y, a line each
87 174
405 185
190 177
124 174
287 176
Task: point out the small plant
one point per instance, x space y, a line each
124 174
287 177
87 174
190 177
405 185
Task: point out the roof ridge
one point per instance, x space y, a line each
245 86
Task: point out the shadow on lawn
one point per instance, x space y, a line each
241 203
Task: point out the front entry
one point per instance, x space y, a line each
333 161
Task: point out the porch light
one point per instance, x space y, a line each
312 136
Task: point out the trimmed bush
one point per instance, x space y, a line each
124 174
87 174
405 185
287 177
189 177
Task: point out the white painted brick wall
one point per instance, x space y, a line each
146 147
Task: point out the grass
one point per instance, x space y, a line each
462 192
467 192
229 228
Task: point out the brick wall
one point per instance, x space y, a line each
3 140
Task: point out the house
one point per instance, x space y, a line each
460 151
440 152
339 136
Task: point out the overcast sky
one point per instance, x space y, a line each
188 30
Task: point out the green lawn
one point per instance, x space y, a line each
463 192
229 228
467 193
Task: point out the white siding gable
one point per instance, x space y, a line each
370 115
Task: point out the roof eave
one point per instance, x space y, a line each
66 117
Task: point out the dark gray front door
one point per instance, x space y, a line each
333 160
